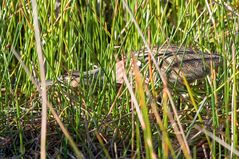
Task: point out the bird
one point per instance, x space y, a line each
175 62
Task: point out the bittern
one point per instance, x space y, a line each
175 62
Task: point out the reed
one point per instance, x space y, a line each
119 108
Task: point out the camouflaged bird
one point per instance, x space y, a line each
173 61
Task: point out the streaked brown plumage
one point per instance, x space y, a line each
176 62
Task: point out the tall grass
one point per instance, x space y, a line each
102 118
